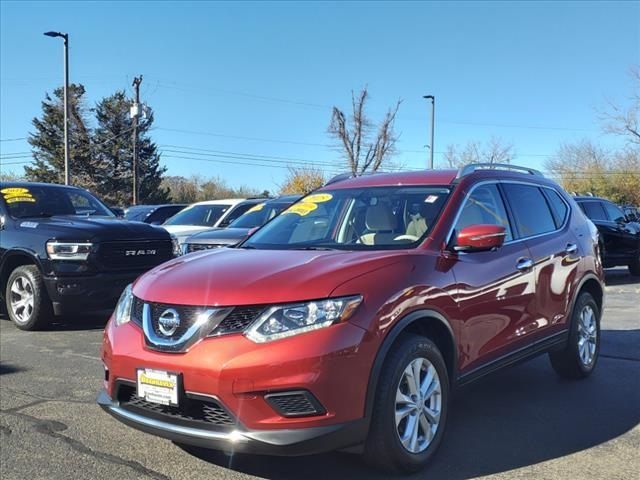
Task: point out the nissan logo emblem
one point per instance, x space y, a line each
168 322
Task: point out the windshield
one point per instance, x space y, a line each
46 201
355 219
200 215
259 215
137 214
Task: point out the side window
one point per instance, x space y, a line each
593 210
484 206
559 209
530 209
235 213
81 204
615 213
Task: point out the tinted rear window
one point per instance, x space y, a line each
530 209
593 210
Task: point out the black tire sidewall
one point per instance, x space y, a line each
42 311
396 457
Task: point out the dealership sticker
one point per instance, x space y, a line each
17 194
256 208
318 198
431 199
302 209
29 224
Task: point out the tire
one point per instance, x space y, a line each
384 447
578 359
634 267
26 282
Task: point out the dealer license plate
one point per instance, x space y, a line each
158 386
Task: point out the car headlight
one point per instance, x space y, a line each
177 249
123 308
68 250
281 321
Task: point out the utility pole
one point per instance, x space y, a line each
433 120
135 114
65 37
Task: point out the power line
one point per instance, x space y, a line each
12 139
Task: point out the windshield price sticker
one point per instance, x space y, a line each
318 198
302 209
431 199
257 208
16 194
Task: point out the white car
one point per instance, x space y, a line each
202 216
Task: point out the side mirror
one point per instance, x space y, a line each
156 222
480 238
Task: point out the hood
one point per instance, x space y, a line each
94 229
219 236
232 276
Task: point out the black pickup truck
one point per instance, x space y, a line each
63 251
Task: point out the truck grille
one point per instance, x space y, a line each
237 321
189 410
134 255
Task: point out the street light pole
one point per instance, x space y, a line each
433 120
65 36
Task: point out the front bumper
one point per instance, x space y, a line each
74 294
284 442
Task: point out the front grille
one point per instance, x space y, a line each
197 247
295 404
237 321
134 255
190 409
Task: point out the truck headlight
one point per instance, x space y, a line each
281 321
68 250
175 243
122 313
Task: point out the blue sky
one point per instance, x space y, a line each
260 78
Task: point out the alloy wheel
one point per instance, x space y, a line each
587 335
418 405
22 299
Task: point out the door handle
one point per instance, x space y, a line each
571 249
524 264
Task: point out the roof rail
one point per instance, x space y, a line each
340 177
472 167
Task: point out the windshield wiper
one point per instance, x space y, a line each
315 247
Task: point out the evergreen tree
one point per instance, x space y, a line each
47 141
113 152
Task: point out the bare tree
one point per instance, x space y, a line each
625 120
495 151
364 149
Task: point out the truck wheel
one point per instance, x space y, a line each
410 409
578 359
27 302
634 267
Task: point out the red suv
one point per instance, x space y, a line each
348 320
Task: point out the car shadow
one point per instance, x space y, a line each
620 276
515 418
74 323
6 368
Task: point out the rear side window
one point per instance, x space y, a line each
484 206
530 209
236 212
559 209
615 213
593 210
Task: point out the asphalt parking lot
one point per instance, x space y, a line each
521 423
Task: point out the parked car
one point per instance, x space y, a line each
238 230
333 327
64 251
202 216
619 235
153 214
